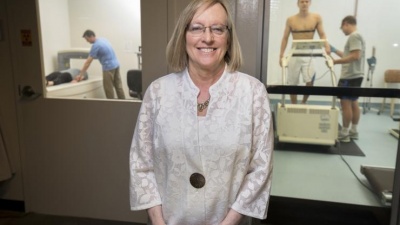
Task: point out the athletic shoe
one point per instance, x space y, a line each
353 135
344 137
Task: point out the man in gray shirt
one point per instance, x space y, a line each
353 59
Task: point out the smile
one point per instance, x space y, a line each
207 50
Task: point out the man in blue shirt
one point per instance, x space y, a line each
102 50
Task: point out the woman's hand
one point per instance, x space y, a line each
155 214
232 218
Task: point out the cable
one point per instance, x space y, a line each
355 175
322 75
326 72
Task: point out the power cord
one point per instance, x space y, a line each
318 78
355 175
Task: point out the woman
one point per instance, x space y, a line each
201 152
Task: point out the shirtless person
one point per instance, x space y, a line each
302 26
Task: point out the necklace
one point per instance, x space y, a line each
203 106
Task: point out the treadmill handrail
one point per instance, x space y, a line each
308 44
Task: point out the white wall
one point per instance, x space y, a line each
55 35
64 21
377 22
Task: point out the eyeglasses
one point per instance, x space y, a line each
197 29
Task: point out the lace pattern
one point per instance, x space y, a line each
232 147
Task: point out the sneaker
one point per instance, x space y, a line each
353 135
344 138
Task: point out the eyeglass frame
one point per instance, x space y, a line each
204 28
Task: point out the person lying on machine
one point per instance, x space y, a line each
64 76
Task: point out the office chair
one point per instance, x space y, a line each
134 80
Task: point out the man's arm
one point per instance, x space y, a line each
339 53
322 35
285 39
85 67
353 56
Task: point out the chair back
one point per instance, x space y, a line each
134 80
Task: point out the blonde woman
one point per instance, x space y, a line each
201 152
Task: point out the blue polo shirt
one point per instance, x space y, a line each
102 50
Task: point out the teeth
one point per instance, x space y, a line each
207 49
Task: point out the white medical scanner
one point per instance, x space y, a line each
64 57
90 88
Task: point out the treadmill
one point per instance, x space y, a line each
321 121
381 180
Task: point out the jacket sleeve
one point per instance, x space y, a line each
143 186
253 196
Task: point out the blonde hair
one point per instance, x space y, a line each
177 56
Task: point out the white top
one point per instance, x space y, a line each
232 147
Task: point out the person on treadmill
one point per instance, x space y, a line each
302 26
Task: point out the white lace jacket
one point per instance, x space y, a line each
231 146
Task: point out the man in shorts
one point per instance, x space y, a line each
302 26
353 59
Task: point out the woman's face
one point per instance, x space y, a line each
207 49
